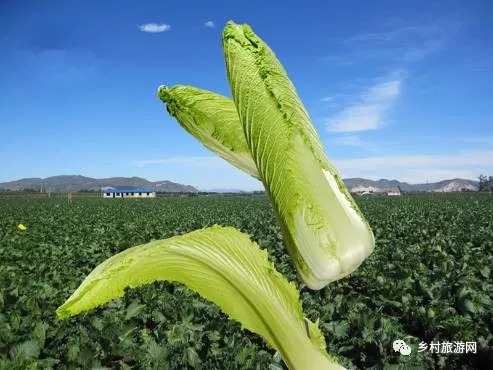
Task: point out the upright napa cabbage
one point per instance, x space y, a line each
224 266
212 119
326 234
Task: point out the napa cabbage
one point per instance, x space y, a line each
325 232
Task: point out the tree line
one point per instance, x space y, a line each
485 183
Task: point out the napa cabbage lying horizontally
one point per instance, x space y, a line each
326 234
224 266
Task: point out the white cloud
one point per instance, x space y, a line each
419 168
386 36
417 53
326 99
416 33
352 140
400 43
383 91
359 117
200 161
209 24
369 112
60 67
154 27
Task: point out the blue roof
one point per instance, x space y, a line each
124 190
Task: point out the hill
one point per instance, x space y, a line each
73 183
66 183
356 185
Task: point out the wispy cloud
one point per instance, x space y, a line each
388 35
419 168
326 99
209 24
155 27
59 67
369 111
200 161
398 43
353 140
418 53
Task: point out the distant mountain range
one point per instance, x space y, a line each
358 185
224 190
75 183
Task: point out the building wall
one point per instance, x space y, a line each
130 195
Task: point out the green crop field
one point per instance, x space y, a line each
429 279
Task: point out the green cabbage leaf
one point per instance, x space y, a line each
225 267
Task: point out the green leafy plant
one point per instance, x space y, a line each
266 132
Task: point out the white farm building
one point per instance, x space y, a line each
128 193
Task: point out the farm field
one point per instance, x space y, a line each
429 279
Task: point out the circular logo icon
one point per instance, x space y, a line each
400 346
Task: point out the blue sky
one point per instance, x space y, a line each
396 89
